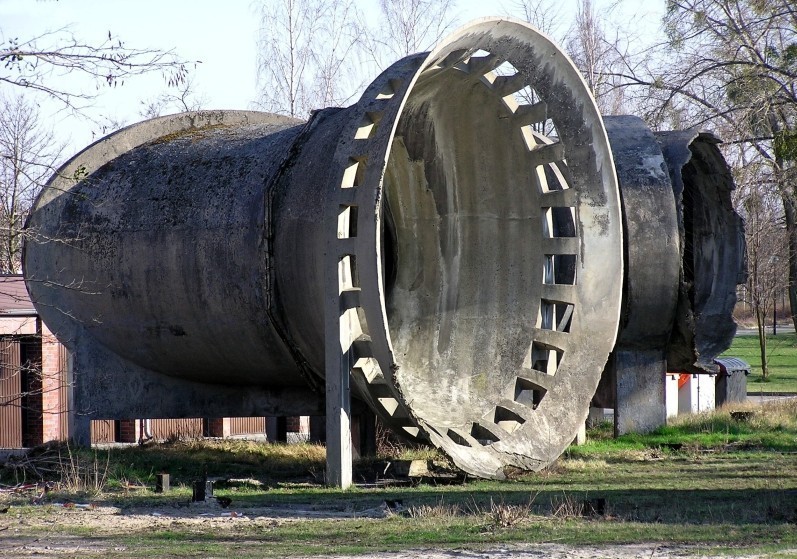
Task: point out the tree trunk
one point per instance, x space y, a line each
791 231
761 318
787 194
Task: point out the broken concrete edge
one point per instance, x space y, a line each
704 330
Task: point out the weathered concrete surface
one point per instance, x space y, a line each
158 253
640 390
650 234
713 250
155 288
451 244
684 251
633 381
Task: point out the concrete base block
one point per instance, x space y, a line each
640 405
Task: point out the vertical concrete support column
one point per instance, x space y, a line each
80 429
639 391
338 388
339 459
79 424
596 416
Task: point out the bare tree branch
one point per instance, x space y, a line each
35 64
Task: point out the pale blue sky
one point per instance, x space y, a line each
221 35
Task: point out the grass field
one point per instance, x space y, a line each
782 350
710 480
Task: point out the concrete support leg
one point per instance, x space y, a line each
81 430
79 424
595 417
339 456
277 429
341 328
640 388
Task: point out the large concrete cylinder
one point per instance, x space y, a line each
452 241
684 255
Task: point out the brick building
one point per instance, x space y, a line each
33 383
34 390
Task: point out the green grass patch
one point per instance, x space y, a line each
782 350
397 534
707 480
761 428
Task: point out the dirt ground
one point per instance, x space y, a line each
33 536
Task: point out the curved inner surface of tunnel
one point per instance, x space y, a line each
459 187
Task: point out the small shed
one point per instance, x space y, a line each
731 380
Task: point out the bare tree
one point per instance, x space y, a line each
304 54
32 64
30 69
405 27
184 99
767 250
732 65
338 76
411 26
545 15
598 55
28 155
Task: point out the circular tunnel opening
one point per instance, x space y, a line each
463 231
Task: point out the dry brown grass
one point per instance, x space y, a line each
440 510
774 415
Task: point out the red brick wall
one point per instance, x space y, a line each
128 430
298 424
292 424
53 380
